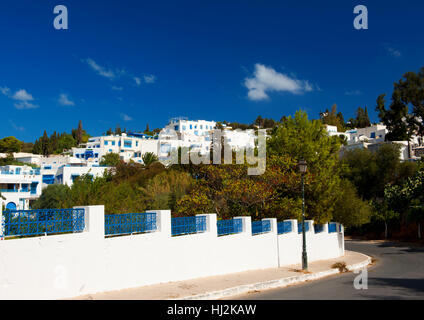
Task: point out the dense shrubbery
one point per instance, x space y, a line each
353 189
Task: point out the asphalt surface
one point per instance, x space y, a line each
397 274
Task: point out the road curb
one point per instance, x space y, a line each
278 283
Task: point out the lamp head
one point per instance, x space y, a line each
302 166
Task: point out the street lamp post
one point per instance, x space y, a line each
302 168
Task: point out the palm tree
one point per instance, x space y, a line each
149 158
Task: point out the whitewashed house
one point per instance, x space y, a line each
19 186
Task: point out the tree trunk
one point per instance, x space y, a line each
385 230
419 230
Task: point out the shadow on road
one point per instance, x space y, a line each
413 285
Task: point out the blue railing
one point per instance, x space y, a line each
21 223
332 227
33 172
129 223
188 225
284 227
259 227
318 228
299 226
226 227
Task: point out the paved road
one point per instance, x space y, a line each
397 274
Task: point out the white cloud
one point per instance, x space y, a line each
5 91
395 53
118 74
100 70
353 93
16 127
25 105
125 117
266 79
22 95
137 80
149 78
64 100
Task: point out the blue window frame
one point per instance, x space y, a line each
106 143
191 126
113 143
34 187
127 143
48 179
372 135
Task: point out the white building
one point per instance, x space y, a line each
332 131
68 173
19 186
186 129
178 133
374 134
238 139
373 137
128 146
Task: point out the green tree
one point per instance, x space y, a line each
149 158
333 118
301 138
401 123
351 209
371 171
54 196
10 144
110 159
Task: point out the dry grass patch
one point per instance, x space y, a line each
300 271
341 266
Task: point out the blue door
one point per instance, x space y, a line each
11 206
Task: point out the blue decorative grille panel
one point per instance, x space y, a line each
318 228
226 227
128 223
332 227
188 225
284 227
259 227
299 227
20 223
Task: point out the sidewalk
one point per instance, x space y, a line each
217 287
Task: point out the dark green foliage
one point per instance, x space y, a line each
333 118
401 120
371 171
58 143
110 159
149 158
10 144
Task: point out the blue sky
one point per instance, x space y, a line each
134 62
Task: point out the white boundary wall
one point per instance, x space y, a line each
63 266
